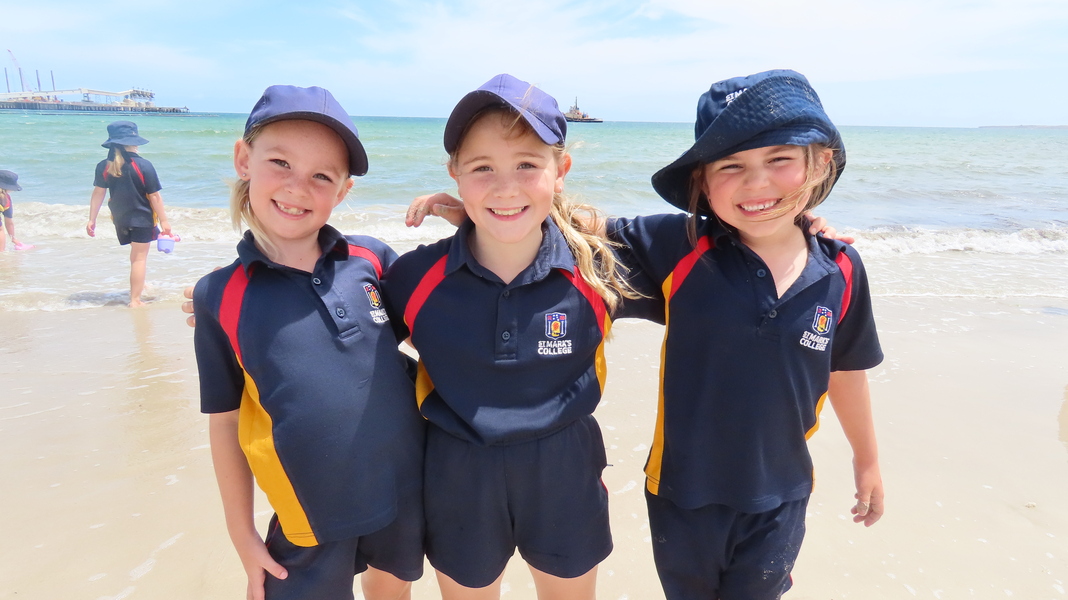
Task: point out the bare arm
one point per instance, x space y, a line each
155 200
235 487
95 201
851 399
443 205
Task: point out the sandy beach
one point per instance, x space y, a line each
108 489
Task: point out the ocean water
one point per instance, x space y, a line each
975 213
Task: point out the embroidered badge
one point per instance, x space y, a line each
821 323
555 325
372 295
555 328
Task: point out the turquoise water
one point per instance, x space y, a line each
970 201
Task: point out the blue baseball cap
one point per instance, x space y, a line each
535 106
123 133
289 102
772 108
9 181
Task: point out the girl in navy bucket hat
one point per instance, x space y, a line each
764 323
9 182
133 191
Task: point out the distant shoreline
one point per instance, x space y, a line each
1023 127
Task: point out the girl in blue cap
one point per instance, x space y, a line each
765 322
306 391
510 316
9 182
135 201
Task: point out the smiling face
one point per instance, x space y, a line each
507 179
297 173
757 191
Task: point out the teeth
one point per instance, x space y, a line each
290 210
759 207
506 213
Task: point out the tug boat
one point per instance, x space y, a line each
576 115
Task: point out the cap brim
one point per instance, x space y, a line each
357 154
471 104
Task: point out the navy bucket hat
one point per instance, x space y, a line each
773 108
9 181
289 102
536 107
123 133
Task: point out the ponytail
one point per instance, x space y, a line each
117 158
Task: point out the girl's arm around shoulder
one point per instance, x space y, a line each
849 395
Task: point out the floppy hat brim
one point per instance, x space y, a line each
777 111
5 186
357 154
133 140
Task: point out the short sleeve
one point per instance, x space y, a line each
856 342
152 184
222 380
98 175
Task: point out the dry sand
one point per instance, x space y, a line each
108 490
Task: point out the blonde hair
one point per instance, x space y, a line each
241 207
815 189
579 223
115 164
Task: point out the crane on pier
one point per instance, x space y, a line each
18 68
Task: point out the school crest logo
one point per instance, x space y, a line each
821 323
555 325
555 329
372 295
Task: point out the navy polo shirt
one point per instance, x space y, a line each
128 199
500 363
327 416
745 373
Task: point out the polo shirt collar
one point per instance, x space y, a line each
553 253
330 241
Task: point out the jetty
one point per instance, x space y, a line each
134 100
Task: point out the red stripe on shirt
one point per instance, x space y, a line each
430 280
846 265
371 257
230 309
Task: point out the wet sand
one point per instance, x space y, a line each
108 490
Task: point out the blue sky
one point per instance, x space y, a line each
960 63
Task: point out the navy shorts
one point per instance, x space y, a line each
717 552
141 235
327 571
544 497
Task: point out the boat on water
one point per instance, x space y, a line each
576 115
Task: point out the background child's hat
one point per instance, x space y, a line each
773 108
536 107
123 133
289 102
9 181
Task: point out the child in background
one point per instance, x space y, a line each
300 371
764 322
9 182
135 202
510 316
